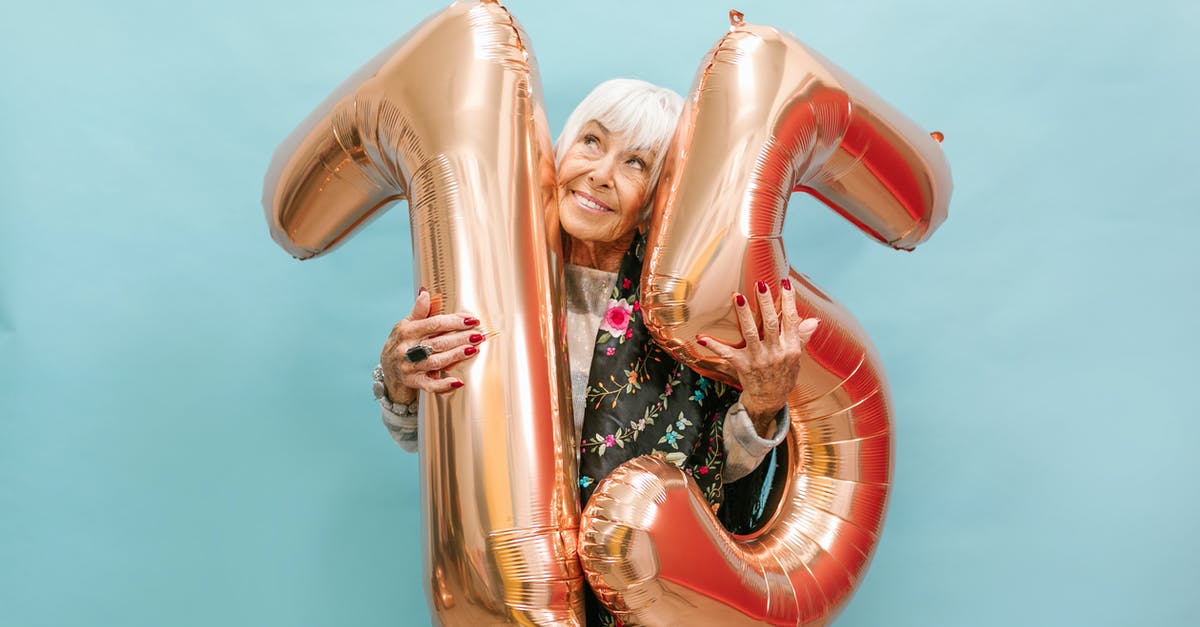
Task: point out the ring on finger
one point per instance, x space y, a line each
418 353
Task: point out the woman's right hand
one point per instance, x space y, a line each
452 337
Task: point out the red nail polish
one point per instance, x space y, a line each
470 350
787 284
456 384
762 287
470 322
741 300
476 338
701 342
422 289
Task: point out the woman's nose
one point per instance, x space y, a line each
602 174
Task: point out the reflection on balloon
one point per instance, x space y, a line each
766 116
450 118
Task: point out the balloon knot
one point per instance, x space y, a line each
937 135
735 17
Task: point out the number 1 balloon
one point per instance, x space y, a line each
766 116
450 119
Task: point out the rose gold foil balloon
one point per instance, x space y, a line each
766 116
450 119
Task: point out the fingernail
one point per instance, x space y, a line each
787 284
422 289
476 338
762 287
470 322
456 384
701 341
741 300
470 350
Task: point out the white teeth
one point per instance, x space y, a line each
587 202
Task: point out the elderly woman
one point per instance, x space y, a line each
629 396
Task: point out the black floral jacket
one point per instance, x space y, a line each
641 401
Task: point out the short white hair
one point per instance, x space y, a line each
645 112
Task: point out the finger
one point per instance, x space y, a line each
442 360
432 383
722 349
746 321
787 303
806 329
454 340
420 308
439 324
770 319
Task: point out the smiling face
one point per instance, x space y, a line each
604 184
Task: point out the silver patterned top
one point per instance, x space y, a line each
587 292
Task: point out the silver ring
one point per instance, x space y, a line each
418 353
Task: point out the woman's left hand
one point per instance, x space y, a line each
767 365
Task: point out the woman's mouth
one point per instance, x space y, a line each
589 204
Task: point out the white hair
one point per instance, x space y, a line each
645 112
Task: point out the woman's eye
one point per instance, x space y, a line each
590 140
637 163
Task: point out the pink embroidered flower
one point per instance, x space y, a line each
610 351
637 305
625 283
610 441
616 319
628 332
704 470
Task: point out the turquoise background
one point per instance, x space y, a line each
187 434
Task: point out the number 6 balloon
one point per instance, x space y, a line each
451 119
766 116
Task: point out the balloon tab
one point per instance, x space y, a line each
937 136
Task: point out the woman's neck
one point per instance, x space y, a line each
604 256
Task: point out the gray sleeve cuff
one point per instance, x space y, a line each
403 429
744 448
400 420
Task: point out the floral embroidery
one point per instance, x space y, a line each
677 458
585 481
610 351
631 384
675 431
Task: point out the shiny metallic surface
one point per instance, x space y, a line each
766 116
450 118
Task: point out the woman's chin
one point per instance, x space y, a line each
587 228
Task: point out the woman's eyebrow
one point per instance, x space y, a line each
603 128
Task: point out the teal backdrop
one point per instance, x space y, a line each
187 433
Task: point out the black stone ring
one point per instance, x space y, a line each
418 353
